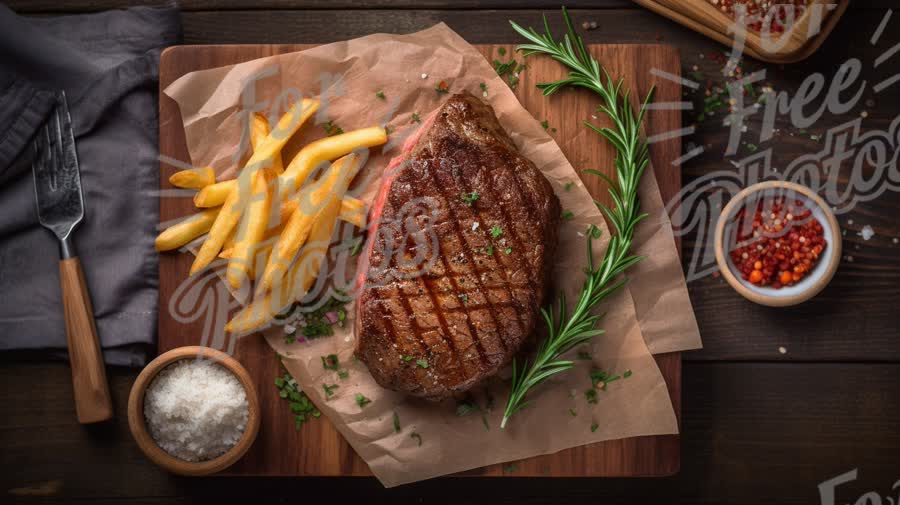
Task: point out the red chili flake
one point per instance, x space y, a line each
442 87
766 15
779 245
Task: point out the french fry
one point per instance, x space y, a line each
328 148
259 130
194 178
352 209
238 198
250 232
332 186
296 284
214 195
183 232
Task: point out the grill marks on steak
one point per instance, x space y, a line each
468 312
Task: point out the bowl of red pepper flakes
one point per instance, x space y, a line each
777 243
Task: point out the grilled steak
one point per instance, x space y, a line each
455 271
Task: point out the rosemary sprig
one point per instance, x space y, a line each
567 330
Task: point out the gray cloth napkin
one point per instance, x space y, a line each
108 65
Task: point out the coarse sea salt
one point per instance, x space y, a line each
196 409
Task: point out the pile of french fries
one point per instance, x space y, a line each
272 224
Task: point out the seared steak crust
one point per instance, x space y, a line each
435 327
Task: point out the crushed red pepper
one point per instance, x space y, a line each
781 244
773 16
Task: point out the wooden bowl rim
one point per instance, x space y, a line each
154 452
738 284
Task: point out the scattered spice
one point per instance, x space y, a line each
567 215
300 405
779 245
380 95
415 118
361 400
470 198
442 88
330 362
496 231
329 389
332 129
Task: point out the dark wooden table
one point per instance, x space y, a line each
760 424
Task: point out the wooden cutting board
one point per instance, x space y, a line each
318 449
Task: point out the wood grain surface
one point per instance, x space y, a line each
91 392
758 425
317 449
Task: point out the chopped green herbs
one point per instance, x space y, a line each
343 374
396 422
329 389
627 374
388 130
594 427
496 231
422 363
567 215
442 88
361 400
380 95
507 250
591 395
406 358
415 118
502 51
510 468
332 129
466 407
573 412
357 247
594 231
417 437
510 69
569 185
463 297
489 250
470 198
483 87
319 322
600 379
300 405
330 362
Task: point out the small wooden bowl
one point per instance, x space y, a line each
141 434
815 280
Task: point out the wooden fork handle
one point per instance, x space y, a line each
92 401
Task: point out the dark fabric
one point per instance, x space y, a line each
107 63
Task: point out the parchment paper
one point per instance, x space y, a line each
346 75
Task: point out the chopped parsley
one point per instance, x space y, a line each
417 437
361 400
470 198
422 363
396 422
510 69
569 185
332 129
357 247
594 427
496 231
627 374
567 215
502 51
573 412
466 407
406 358
415 118
489 250
343 374
388 130
380 95
442 88
329 389
591 395
600 379
318 322
300 405
508 250
463 297
483 87
594 231
545 124
330 362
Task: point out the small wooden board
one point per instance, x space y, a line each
318 449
